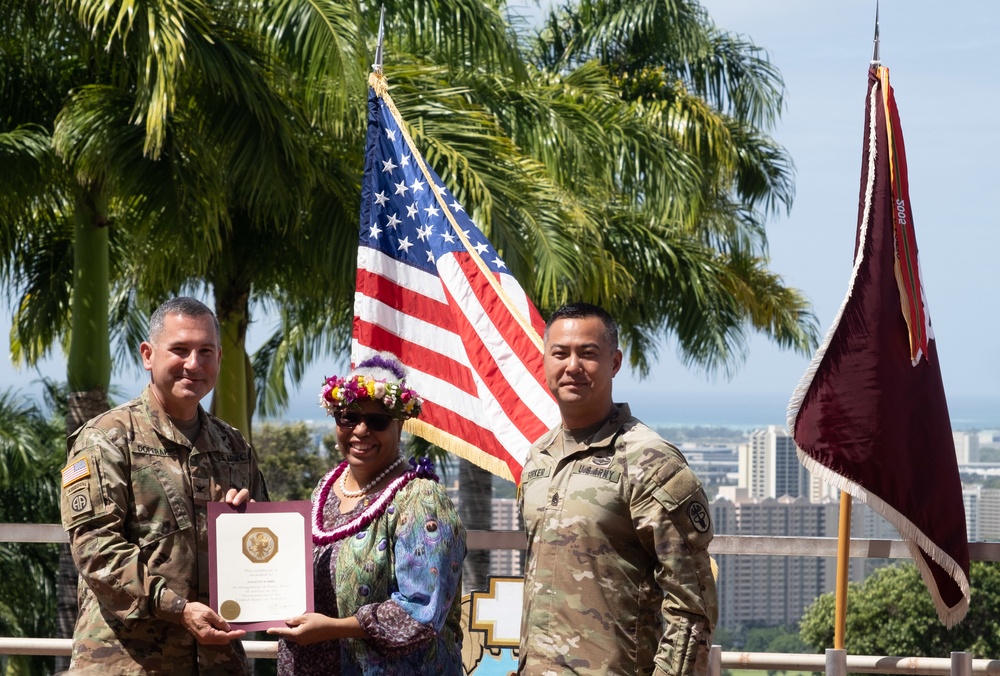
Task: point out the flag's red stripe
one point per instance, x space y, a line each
536 320
416 355
404 300
435 364
534 317
523 347
514 405
444 419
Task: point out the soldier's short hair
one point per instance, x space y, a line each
184 306
583 311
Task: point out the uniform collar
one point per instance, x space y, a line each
161 423
603 437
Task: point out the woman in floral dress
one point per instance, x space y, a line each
388 545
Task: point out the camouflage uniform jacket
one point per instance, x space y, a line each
618 577
134 502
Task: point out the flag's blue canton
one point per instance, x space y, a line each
404 220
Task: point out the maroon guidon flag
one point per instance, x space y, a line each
432 290
869 415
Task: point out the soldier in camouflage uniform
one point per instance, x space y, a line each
134 498
618 579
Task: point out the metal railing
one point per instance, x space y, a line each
833 663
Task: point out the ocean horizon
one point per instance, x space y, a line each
744 411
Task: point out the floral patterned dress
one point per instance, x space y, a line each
399 575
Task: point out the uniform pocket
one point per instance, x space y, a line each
160 509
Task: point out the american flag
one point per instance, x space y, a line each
77 470
432 290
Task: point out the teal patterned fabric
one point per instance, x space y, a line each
401 577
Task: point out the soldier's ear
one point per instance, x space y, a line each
146 352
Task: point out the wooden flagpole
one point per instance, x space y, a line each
844 527
843 568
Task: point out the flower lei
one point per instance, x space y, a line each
423 469
399 399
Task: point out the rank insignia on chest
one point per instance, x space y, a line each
75 471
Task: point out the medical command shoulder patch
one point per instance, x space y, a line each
75 471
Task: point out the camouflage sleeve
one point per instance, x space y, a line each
671 515
94 506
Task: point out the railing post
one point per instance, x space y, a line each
836 662
961 664
715 661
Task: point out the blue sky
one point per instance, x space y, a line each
945 69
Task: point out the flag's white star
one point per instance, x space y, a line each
499 263
424 233
374 231
381 199
412 210
417 185
405 244
391 133
438 188
430 256
456 206
432 210
401 188
480 248
448 237
393 221
405 160
387 165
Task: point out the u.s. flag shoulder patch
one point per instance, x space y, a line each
75 471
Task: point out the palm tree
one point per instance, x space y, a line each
683 215
606 163
639 131
30 457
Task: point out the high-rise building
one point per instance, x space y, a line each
505 562
982 513
772 589
775 590
769 467
966 447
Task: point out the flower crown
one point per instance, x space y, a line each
378 378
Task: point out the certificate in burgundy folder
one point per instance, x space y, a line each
260 562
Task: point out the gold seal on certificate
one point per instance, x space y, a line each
230 610
260 545
260 562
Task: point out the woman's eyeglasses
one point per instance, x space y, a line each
376 422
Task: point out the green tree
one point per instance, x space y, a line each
891 613
694 176
31 455
620 157
290 460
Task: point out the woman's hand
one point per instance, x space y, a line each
307 629
315 627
